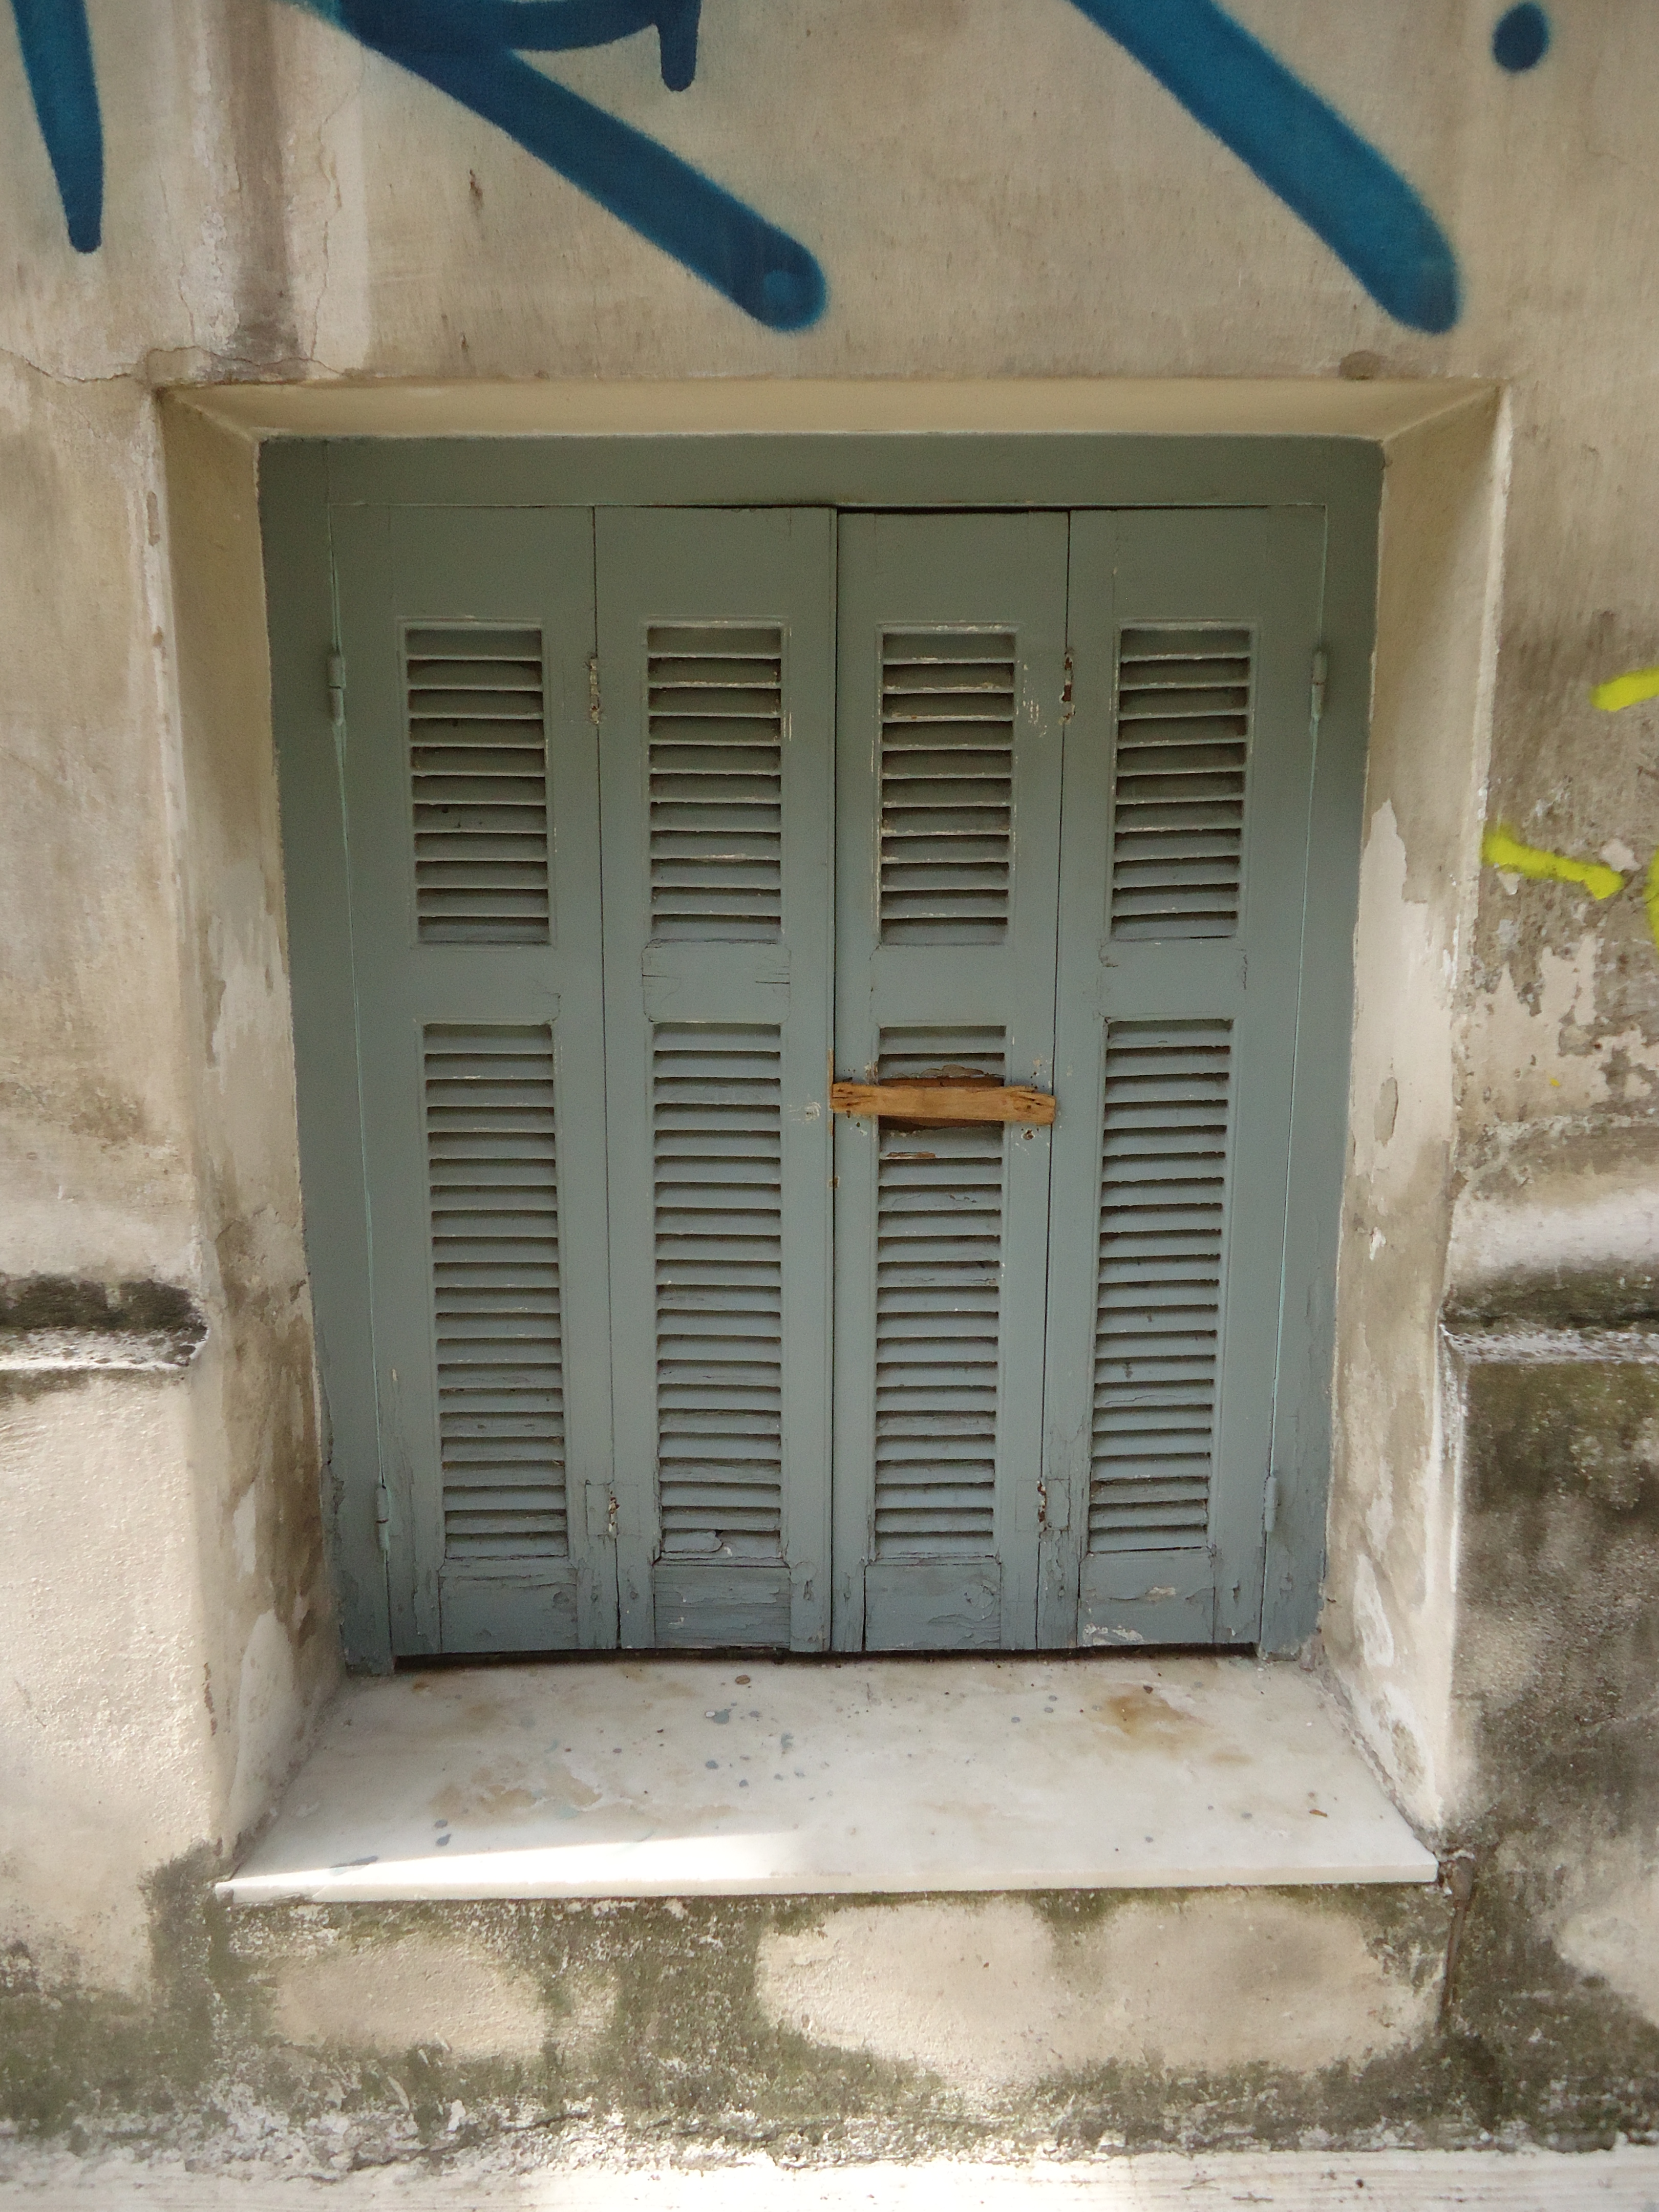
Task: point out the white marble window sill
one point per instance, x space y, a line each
662 1778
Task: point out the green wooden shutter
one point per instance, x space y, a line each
715 633
472 833
951 634
1184 860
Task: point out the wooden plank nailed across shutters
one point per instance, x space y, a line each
944 1104
1163 1200
1183 720
492 1184
478 767
716 1112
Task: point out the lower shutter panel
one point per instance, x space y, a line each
938 1296
492 1185
717 1135
1163 1189
1157 1330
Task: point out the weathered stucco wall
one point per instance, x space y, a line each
992 188
1388 1617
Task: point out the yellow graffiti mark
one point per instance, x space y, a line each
1650 898
1500 848
1627 690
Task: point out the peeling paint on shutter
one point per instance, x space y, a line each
1164 1195
716 1136
716 769
493 1208
939 1291
478 765
948 698
1183 721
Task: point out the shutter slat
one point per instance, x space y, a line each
947 733
492 1202
717 1138
716 739
938 1312
478 767
1183 742
1163 1190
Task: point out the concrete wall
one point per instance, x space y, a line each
994 188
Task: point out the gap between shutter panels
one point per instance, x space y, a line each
1164 1192
715 699
948 700
717 1152
493 1210
1182 740
939 1292
477 767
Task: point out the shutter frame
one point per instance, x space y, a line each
480 574
1136 1557
920 594
682 969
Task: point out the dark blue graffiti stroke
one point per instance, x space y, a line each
1339 186
58 62
1342 188
464 47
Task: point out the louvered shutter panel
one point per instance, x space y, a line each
948 702
714 699
947 786
478 765
471 802
716 1135
1183 708
716 670
1184 868
493 1194
1163 1204
938 1300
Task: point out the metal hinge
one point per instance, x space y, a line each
593 688
1320 670
336 670
1270 1505
383 1519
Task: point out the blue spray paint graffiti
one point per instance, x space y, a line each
1300 148
465 48
1521 37
58 62
1346 192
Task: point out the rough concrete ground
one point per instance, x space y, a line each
1622 2180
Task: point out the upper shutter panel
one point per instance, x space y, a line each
1183 724
716 771
478 767
1163 1202
939 1298
947 765
492 1199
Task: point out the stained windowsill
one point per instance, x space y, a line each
662 1778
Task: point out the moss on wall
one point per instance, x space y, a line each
655 2033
